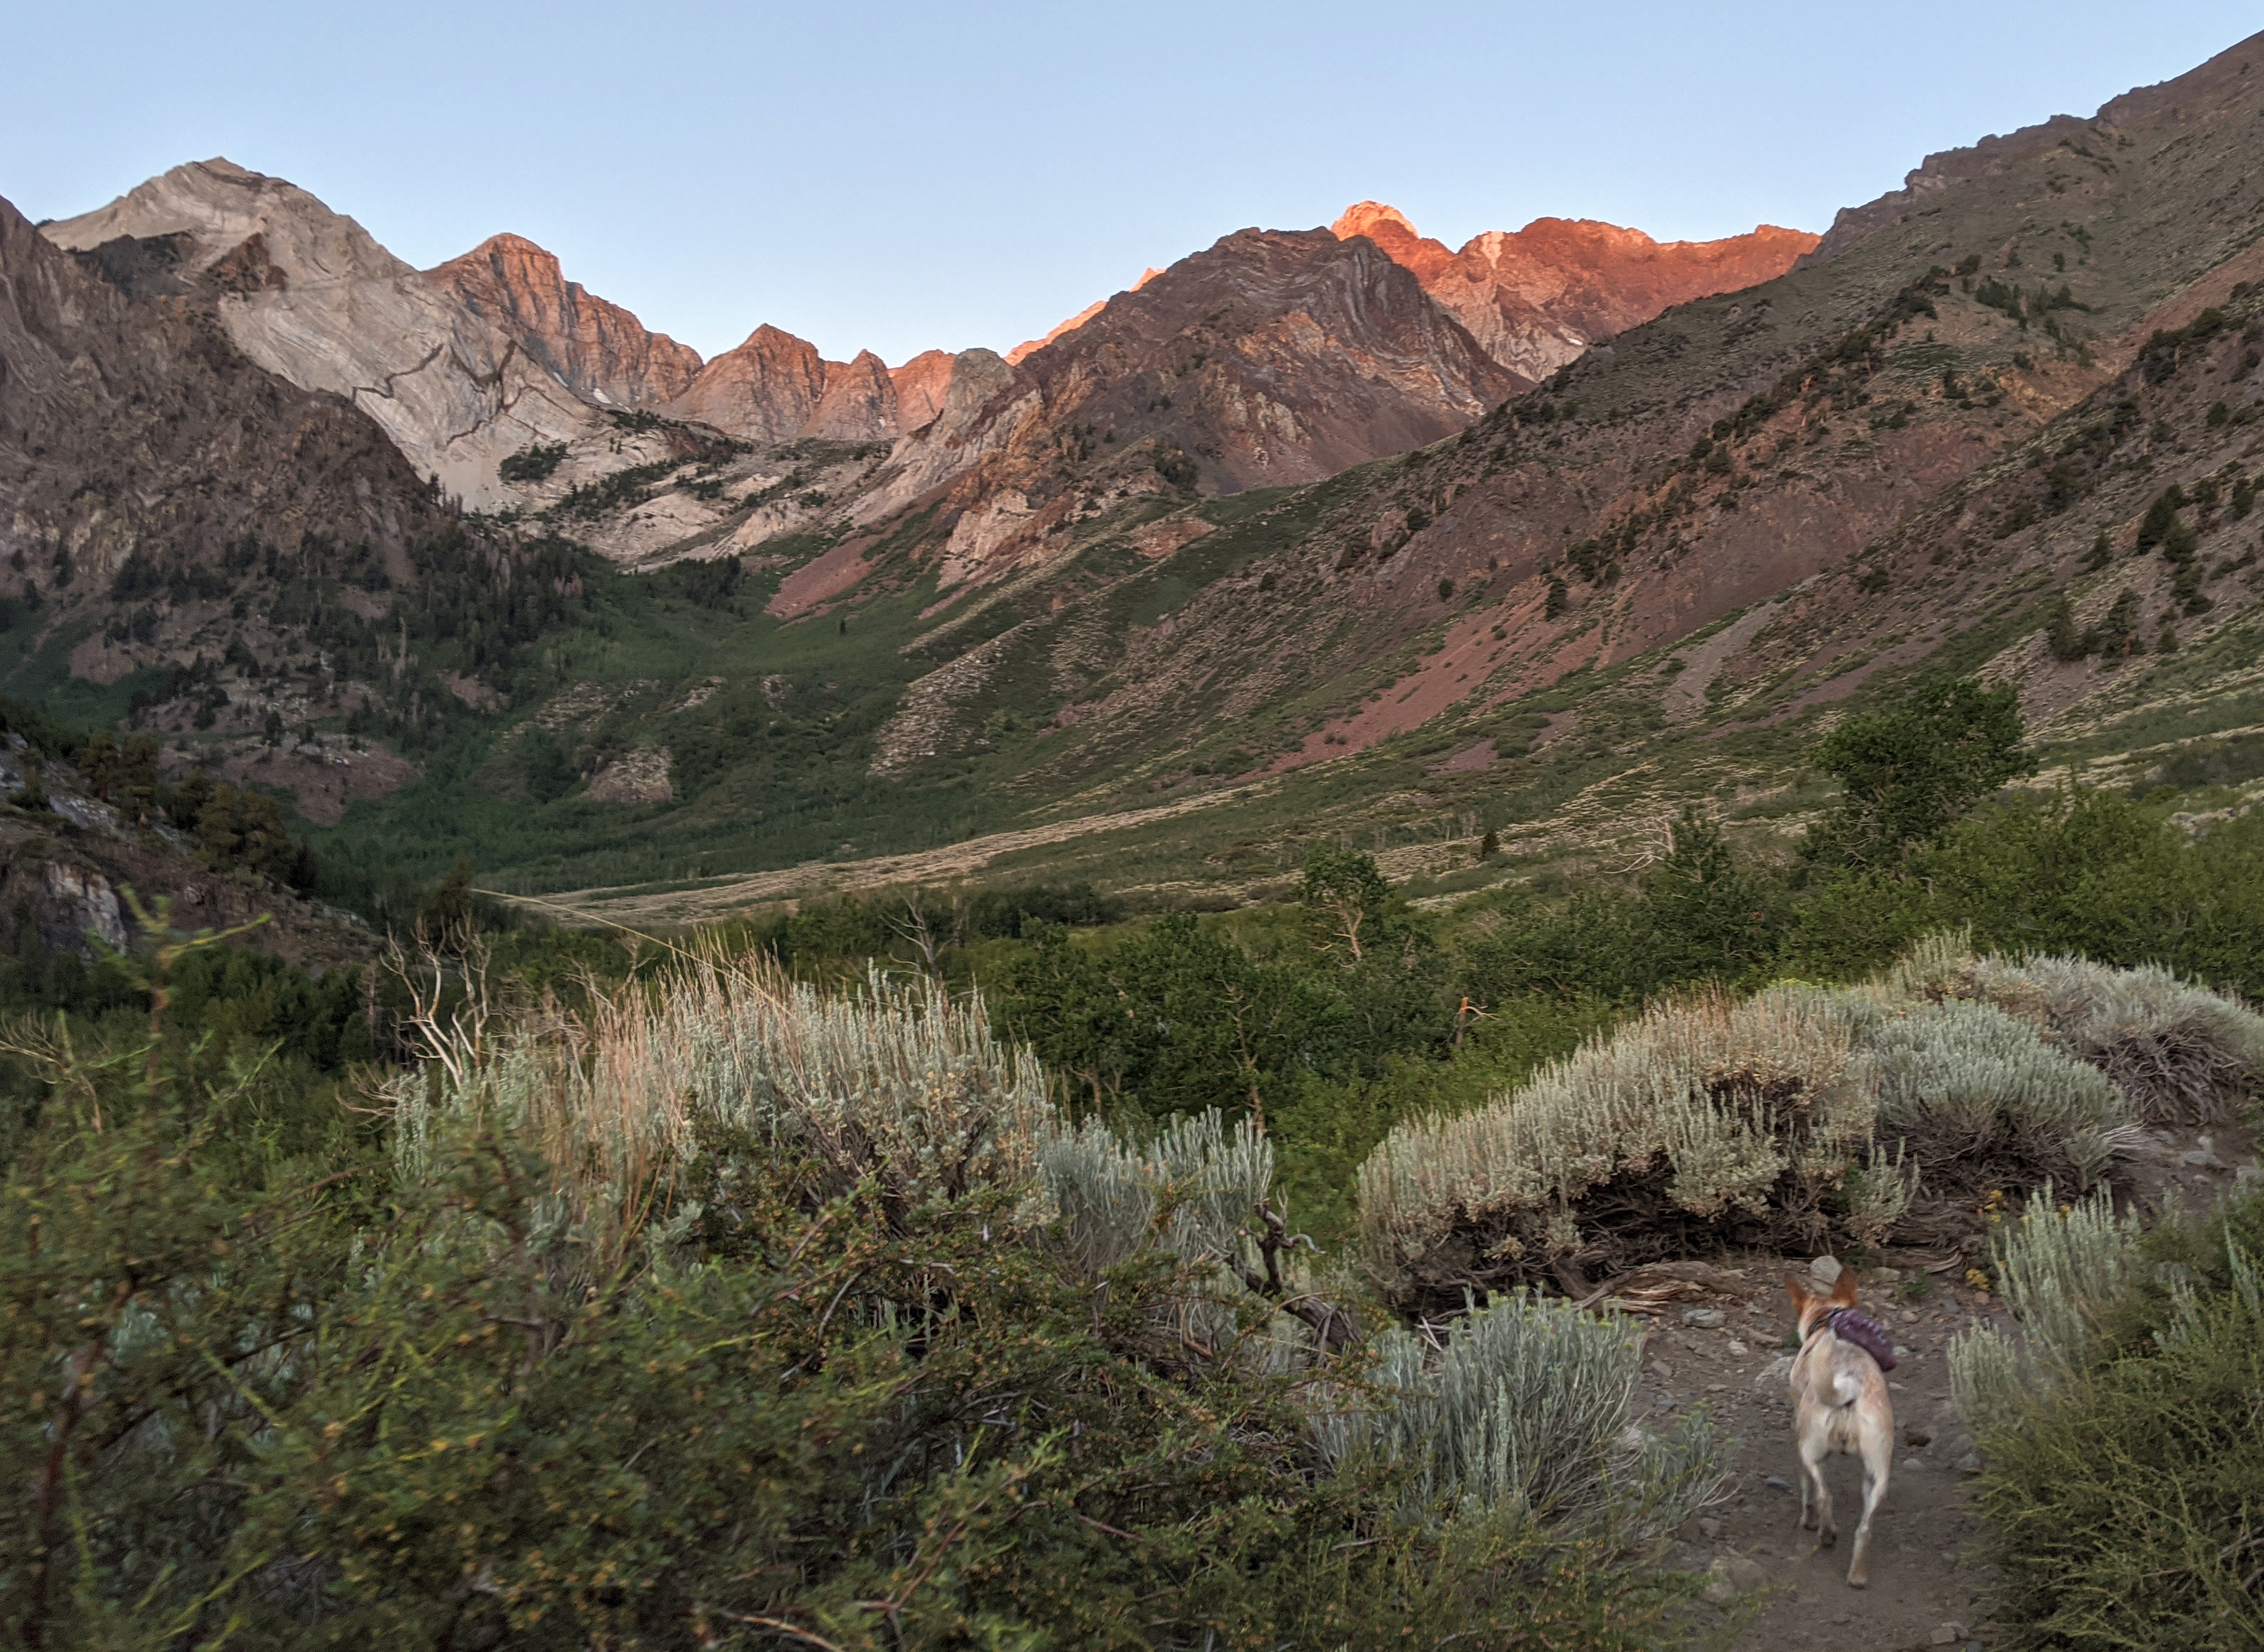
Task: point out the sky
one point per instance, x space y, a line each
901 178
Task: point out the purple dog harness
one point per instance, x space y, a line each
1865 1332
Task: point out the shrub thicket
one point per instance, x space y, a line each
725 1312
1982 1101
2181 1054
1798 1118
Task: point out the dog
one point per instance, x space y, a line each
1839 1404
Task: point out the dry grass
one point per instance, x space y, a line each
897 1084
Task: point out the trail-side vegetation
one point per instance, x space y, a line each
1004 1264
735 1312
2120 1429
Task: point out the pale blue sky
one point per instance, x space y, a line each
901 177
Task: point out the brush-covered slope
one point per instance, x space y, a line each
1729 453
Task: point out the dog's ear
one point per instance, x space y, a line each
1843 1288
1794 1289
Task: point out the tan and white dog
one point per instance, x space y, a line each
1839 1403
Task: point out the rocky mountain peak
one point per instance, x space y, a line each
594 347
1030 346
1389 228
132 429
1535 298
219 206
310 295
921 384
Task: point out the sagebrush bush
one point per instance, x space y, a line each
2179 1053
1981 1099
723 1315
899 1082
1529 1406
1706 1122
2124 1475
2057 1269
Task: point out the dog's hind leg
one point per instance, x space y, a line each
1878 1444
1811 1464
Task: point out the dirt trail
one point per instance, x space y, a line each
1721 1338
1734 1357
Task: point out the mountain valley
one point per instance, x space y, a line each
1333 532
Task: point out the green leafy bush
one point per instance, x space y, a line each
1913 769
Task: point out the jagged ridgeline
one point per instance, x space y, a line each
731 1308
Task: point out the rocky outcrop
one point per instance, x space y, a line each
127 425
921 385
985 404
594 348
775 387
764 391
859 401
307 294
1537 297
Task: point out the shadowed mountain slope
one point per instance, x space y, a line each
137 427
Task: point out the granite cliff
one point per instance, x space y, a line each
135 426
310 295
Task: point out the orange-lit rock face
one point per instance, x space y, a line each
1535 298
921 385
1029 346
765 390
596 349
1271 357
774 388
1384 226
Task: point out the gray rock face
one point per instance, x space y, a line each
86 909
309 295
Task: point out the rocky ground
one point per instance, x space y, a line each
1720 1336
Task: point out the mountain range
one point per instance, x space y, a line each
1332 525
